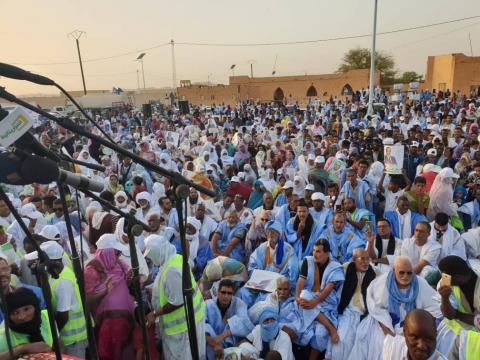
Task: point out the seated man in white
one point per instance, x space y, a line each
352 307
274 255
471 239
459 301
447 236
226 320
267 336
423 253
383 247
390 297
470 212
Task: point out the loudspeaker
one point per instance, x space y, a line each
183 106
147 110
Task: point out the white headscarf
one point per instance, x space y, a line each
441 196
299 189
158 192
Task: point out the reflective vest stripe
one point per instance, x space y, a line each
176 322
456 325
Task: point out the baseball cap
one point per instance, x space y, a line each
432 152
288 185
319 160
241 175
52 248
235 179
310 187
109 241
50 232
318 196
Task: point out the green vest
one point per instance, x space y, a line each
20 339
473 345
175 322
74 330
456 325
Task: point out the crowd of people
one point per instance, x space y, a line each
310 248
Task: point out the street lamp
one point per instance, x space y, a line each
372 62
233 69
140 58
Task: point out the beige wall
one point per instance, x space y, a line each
263 89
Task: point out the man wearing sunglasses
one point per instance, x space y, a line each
227 320
390 297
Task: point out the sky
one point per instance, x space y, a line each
35 37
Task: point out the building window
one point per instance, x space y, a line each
278 95
311 91
347 90
442 86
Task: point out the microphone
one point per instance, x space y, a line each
16 169
14 72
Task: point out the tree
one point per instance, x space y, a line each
360 58
408 77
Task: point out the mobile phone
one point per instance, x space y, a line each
446 280
368 226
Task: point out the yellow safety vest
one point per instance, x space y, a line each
473 345
75 329
456 325
176 322
20 339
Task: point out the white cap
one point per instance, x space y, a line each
388 141
310 187
414 144
448 173
241 175
318 196
319 160
30 211
235 179
53 250
50 232
288 185
311 157
109 241
432 152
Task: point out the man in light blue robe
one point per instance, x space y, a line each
342 239
318 295
356 189
302 231
321 214
403 220
287 211
274 255
226 320
358 218
229 238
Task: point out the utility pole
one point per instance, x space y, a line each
76 34
470 41
138 80
251 62
174 68
140 58
372 62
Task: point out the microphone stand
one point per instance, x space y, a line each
177 180
41 272
77 268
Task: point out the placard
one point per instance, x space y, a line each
393 159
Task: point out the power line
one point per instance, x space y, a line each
329 39
95 59
300 42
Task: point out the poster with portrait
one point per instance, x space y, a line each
172 138
393 159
